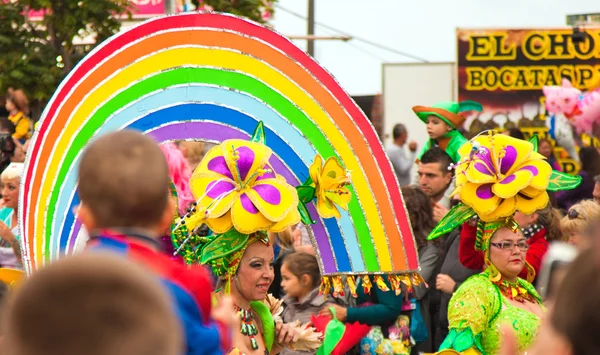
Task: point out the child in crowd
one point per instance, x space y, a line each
300 279
90 304
17 106
443 121
126 208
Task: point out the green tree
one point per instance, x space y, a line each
37 55
256 10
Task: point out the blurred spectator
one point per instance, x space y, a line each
590 167
577 221
596 192
396 152
94 305
515 133
193 151
546 149
420 213
17 106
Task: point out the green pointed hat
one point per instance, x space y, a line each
448 111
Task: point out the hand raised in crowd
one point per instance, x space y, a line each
286 334
298 246
439 212
341 313
445 283
6 233
412 145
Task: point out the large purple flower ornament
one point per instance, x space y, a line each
498 175
236 187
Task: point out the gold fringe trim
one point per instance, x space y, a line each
337 285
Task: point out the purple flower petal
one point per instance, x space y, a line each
484 191
507 162
268 193
531 169
219 166
248 205
508 179
270 175
217 188
482 168
485 159
245 161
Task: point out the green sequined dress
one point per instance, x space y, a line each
478 310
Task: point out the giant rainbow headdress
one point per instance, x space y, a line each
214 77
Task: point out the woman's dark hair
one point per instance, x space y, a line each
301 264
420 213
574 314
590 160
549 218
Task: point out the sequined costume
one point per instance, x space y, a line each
496 176
478 310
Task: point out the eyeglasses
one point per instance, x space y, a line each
508 245
573 214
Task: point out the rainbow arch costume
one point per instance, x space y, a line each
214 77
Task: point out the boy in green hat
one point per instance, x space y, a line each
442 120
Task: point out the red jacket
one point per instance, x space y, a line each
473 259
189 287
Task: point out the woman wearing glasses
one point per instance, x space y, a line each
496 177
540 228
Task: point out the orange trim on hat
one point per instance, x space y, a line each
457 120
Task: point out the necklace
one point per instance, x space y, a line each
248 328
514 291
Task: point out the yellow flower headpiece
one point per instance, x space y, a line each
240 198
498 175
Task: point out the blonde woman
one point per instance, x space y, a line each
10 250
578 219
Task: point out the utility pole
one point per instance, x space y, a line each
310 43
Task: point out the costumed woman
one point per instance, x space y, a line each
540 229
241 199
497 176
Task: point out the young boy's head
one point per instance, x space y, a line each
93 304
436 127
444 117
124 183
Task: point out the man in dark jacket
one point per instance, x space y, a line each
451 276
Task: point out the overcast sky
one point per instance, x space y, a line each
423 28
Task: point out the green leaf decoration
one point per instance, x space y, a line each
305 193
458 215
223 245
562 181
535 140
259 134
308 182
304 214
